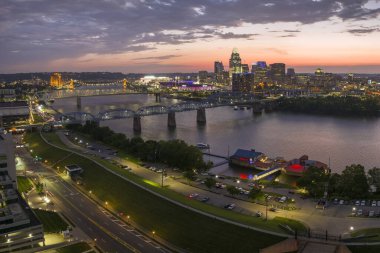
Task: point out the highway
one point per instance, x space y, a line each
108 233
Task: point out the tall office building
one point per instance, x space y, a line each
218 67
56 80
260 71
235 63
244 68
290 72
242 82
20 230
277 72
218 71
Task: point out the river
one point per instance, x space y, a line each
344 140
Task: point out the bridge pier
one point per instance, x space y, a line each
158 97
137 124
171 120
79 101
257 109
1 121
201 116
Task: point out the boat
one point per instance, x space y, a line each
236 108
203 146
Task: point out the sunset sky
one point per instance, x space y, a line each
147 36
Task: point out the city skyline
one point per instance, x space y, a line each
187 36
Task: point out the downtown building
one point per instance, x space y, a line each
235 63
20 230
242 82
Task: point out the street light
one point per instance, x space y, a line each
351 228
266 208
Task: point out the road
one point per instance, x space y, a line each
109 233
333 219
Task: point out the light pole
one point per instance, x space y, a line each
266 208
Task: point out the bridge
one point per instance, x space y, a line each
266 173
215 100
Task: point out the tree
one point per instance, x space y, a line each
314 181
210 182
232 190
353 182
189 175
254 192
39 187
374 178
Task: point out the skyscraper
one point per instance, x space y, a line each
242 82
20 229
235 63
260 71
244 68
218 67
277 72
218 71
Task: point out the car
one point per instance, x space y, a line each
273 209
283 199
159 170
362 203
259 214
357 203
360 212
373 203
336 201
231 206
371 213
205 199
193 195
378 203
341 202
291 192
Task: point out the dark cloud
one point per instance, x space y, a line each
162 57
231 35
287 36
43 30
363 30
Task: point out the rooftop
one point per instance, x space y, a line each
247 153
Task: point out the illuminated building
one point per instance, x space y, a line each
244 68
56 80
20 229
235 63
242 82
71 85
260 71
218 71
277 72
125 83
203 76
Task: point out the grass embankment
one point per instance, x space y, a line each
51 221
372 233
24 184
171 222
365 249
75 248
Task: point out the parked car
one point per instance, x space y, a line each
371 213
360 212
259 214
357 203
230 206
362 203
205 199
378 203
273 209
341 202
373 203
